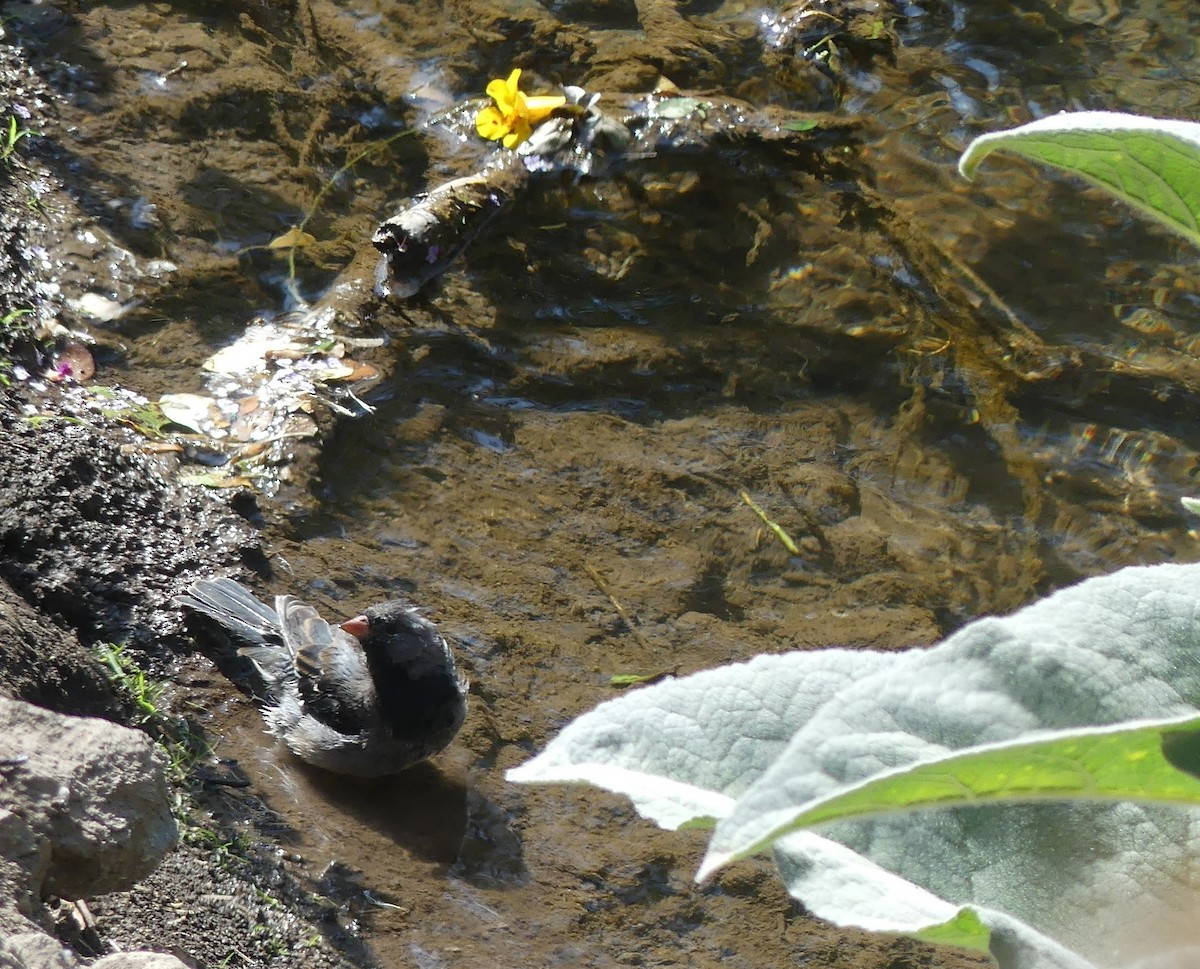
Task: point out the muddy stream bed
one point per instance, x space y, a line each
954 397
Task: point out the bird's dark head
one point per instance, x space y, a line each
418 684
386 619
396 632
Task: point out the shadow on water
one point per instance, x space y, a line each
422 811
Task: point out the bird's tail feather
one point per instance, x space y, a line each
232 605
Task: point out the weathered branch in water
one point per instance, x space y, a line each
420 241
426 235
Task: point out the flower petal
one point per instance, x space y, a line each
539 107
520 131
491 124
512 93
504 92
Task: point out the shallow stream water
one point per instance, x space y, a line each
953 396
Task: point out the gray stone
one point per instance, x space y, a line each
35 950
84 810
93 796
24 858
139 960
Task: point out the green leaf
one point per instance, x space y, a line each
1056 882
965 930
1153 164
1127 762
628 679
683 749
849 889
623 680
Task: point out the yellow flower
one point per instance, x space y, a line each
513 115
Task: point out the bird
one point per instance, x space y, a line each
366 698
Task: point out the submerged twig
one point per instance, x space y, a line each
329 183
616 604
783 536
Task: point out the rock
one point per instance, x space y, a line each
93 797
139 960
84 810
36 950
24 858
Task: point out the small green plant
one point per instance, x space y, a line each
131 680
145 417
10 138
224 847
183 746
9 319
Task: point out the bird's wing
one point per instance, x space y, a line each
333 679
234 606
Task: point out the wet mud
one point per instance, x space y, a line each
953 397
